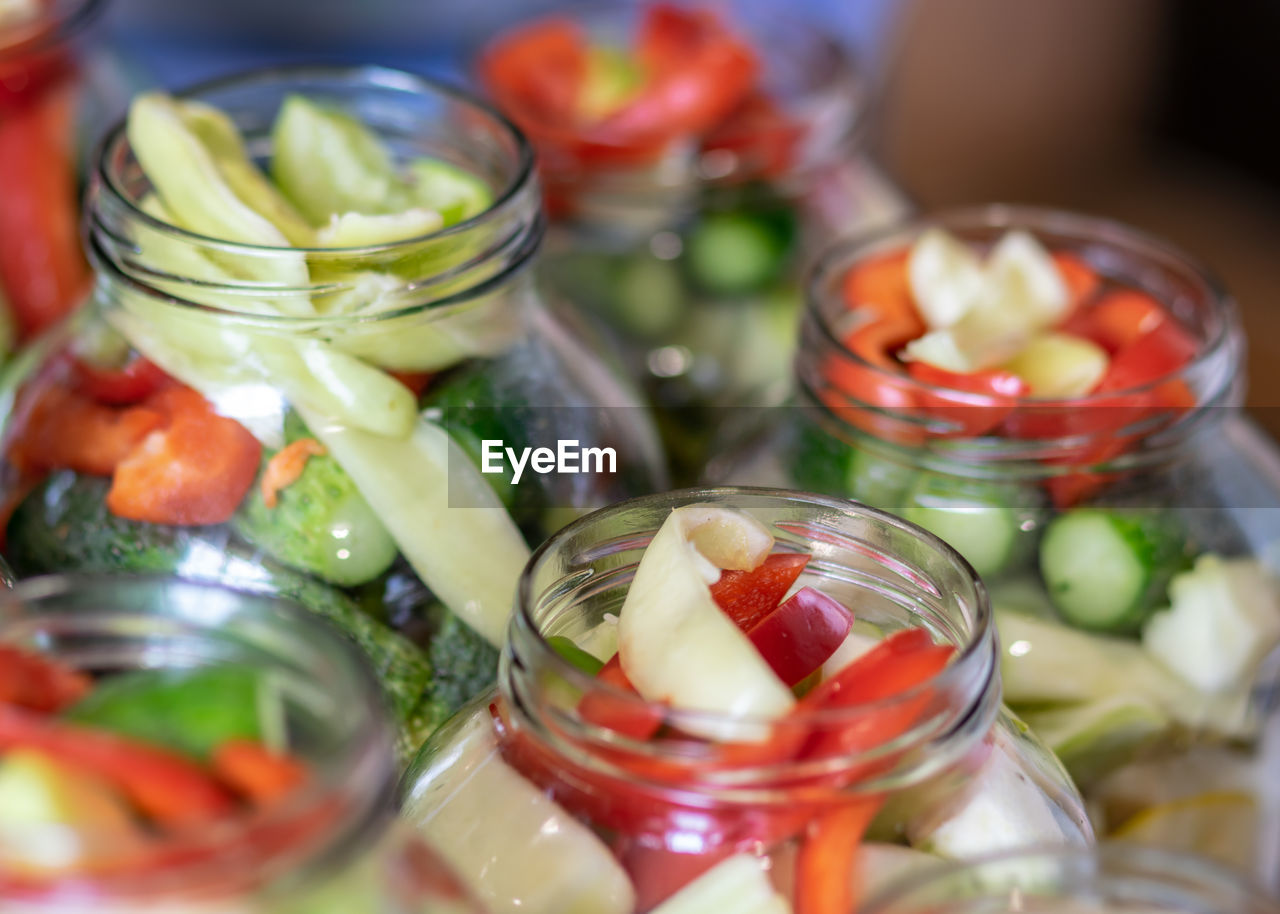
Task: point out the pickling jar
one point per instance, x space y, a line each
379 372
688 242
1151 707
1111 877
334 844
43 91
540 809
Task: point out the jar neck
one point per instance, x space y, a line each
877 405
332 712
896 576
309 291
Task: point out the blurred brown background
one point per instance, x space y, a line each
1162 114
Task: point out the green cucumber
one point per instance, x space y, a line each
575 655
739 252
877 481
1107 569
993 525
648 296
453 192
189 711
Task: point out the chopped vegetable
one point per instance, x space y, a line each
286 466
37 683
747 597
1097 737
739 884
1059 365
800 635
257 773
826 862
1224 616
676 645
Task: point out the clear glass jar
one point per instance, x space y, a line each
690 250
568 815
1111 877
336 846
392 515
1151 725
43 273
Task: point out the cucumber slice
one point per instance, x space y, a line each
648 296
877 481
990 524
188 711
354 230
736 253
1106 569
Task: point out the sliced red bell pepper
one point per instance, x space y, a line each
195 470
763 140
286 466
1118 319
65 430
826 865
137 380
880 286
1081 279
416 381
801 634
536 71
628 715
1000 393
901 662
170 789
43 273
37 683
747 597
255 772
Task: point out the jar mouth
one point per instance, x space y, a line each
125 623
935 589
53 25
813 78
493 243
1130 876
1114 247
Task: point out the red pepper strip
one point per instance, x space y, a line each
1119 319
42 271
901 662
256 773
826 865
65 430
798 637
416 381
879 400
37 683
195 470
1000 389
170 789
880 287
630 716
133 383
1081 279
747 597
536 72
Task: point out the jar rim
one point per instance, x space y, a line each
50 27
846 82
1139 870
371 75
357 781
973 670
843 254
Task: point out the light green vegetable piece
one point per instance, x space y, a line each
328 163
1100 736
455 193
354 230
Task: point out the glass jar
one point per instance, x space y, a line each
43 273
688 244
387 369
336 845
1142 683
564 814
1112 877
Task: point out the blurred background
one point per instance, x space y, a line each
1162 113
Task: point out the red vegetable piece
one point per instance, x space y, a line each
168 788
798 637
43 273
37 683
826 866
66 430
256 773
658 872
628 715
196 470
133 383
536 71
1000 392
747 597
1119 318
762 138
880 287
1081 279
901 662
